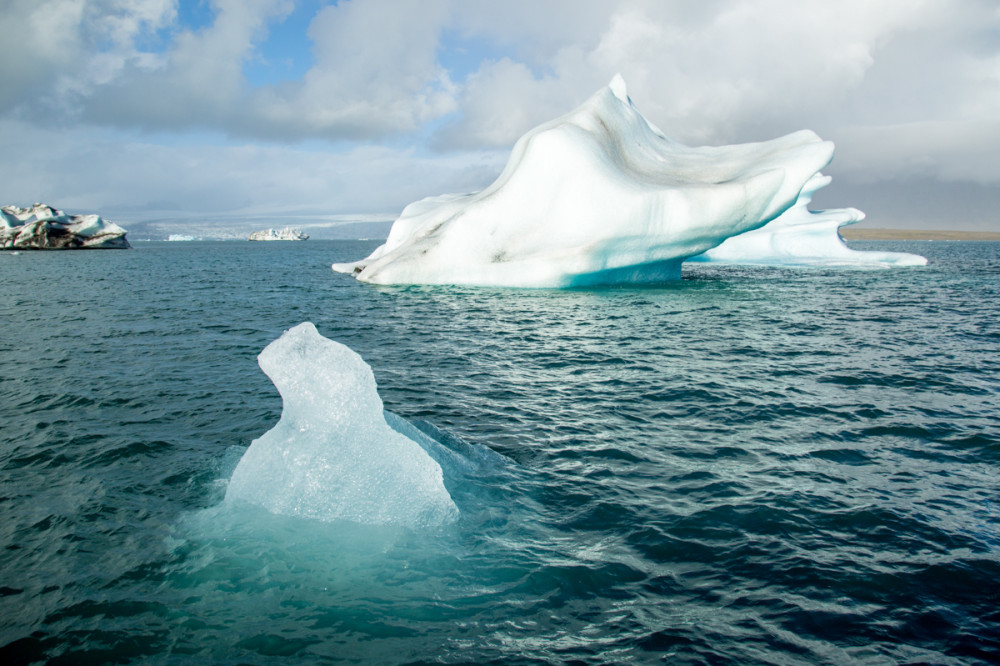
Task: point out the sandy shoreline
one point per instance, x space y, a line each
850 233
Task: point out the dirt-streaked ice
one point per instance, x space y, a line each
42 227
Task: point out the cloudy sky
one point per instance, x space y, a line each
140 109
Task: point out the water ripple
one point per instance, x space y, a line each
750 466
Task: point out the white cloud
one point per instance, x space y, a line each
197 83
56 48
904 88
376 73
500 102
942 150
103 171
704 71
532 31
29 60
761 67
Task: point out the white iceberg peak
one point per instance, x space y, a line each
617 86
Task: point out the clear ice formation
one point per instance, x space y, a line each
598 196
42 227
332 456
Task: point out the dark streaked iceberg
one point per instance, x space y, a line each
42 227
598 196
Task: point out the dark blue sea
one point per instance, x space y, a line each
748 466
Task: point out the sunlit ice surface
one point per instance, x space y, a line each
332 456
601 196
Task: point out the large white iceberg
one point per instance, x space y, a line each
332 456
599 196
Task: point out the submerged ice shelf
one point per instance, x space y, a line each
332 455
601 196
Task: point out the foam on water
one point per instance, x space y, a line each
332 456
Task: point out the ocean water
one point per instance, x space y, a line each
751 465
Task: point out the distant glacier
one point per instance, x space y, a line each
286 234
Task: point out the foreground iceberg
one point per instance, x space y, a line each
801 237
599 196
332 456
42 227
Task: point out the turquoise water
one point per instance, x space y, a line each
748 466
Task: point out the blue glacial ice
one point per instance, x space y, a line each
332 456
599 196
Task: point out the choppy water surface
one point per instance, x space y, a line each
748 466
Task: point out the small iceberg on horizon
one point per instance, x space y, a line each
286 234
601 196
332 456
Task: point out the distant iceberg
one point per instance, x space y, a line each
42 227
180 238
598 196
286 234
332 456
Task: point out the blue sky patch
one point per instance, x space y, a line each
286 52
195 14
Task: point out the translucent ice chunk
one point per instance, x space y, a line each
332 456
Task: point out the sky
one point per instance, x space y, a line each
153 109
